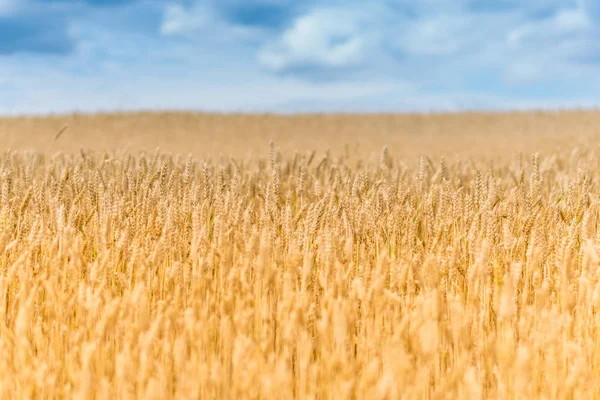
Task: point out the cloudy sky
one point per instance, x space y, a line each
290 56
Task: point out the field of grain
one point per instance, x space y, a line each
310 257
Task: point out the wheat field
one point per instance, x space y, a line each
309 257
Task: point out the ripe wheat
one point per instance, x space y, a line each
312 275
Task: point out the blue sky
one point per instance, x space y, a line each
298 56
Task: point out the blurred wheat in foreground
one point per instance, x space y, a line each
153 276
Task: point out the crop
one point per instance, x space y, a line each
299 275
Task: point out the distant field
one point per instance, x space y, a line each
310 257
209 135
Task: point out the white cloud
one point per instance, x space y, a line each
547 31
466 38
329 38
571 20
552 47
437 36
202 23
178 20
